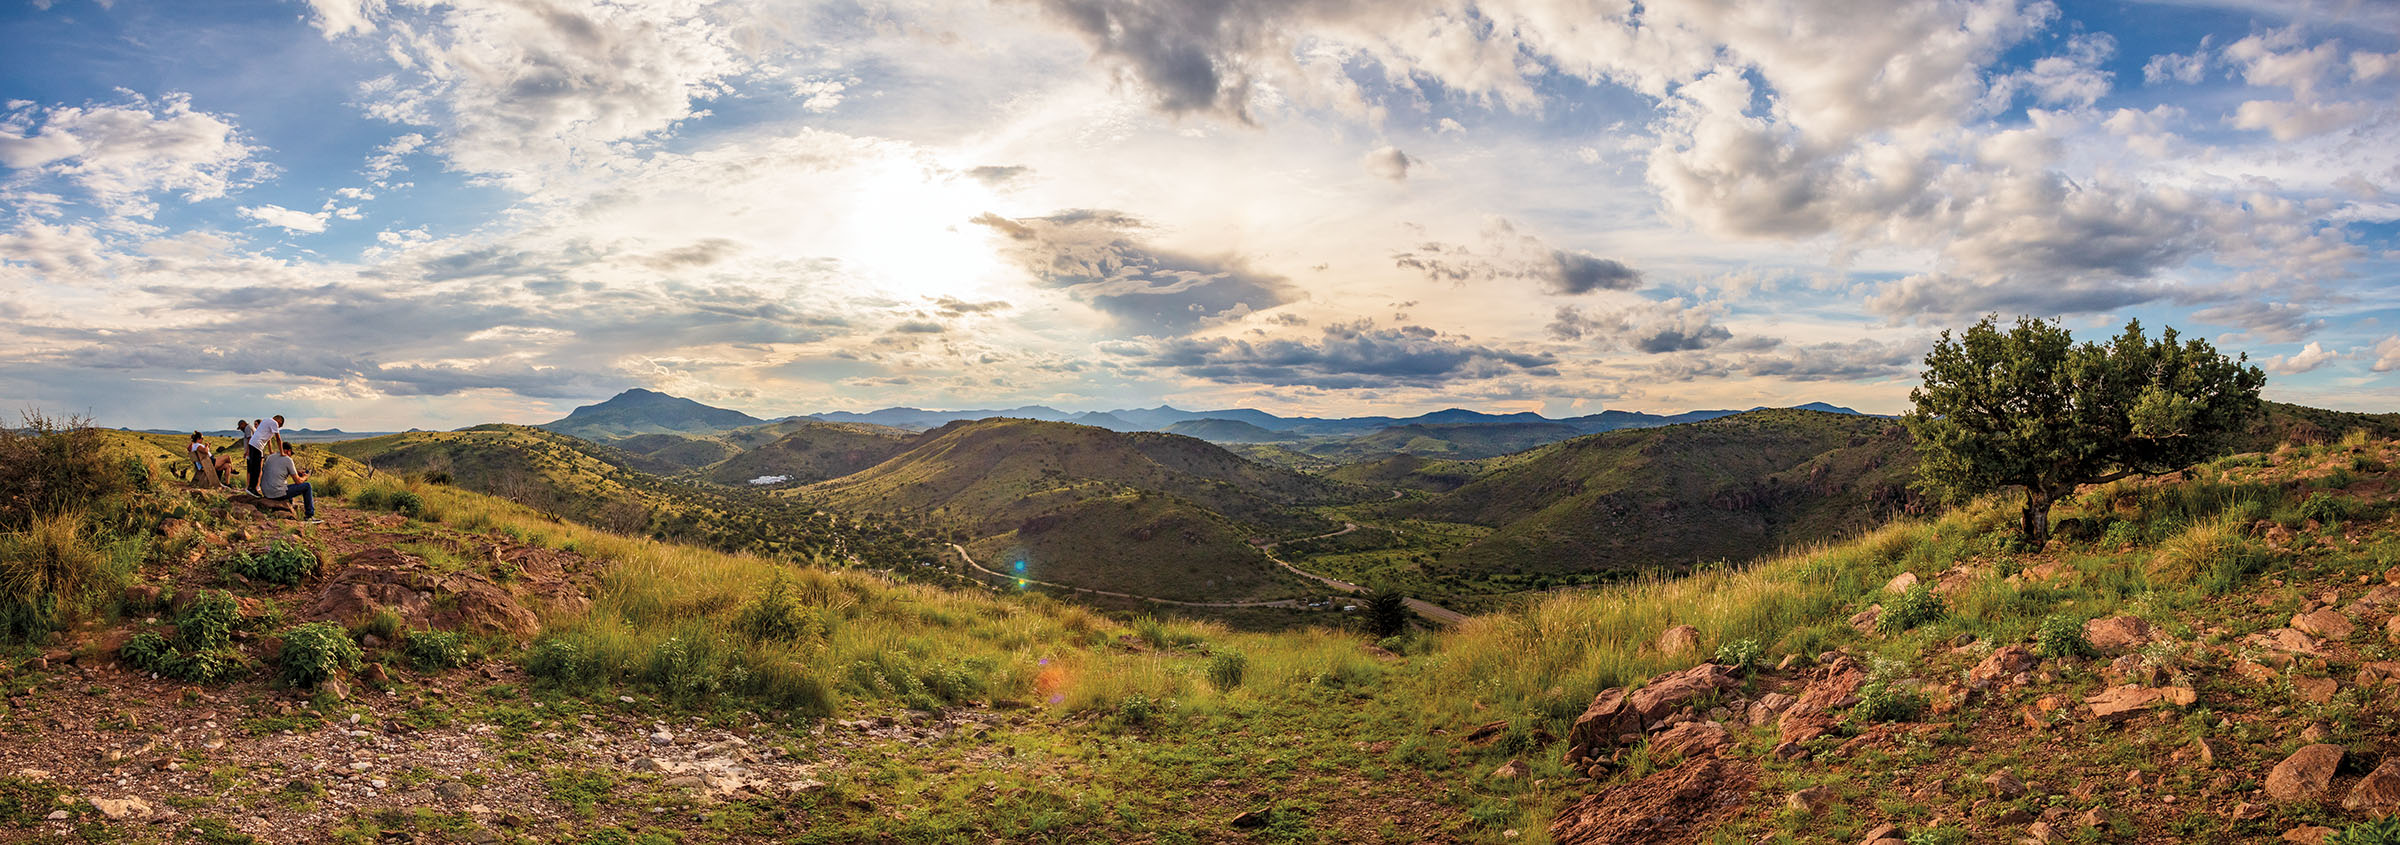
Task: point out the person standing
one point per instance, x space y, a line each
252 454
283 481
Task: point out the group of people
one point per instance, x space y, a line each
269 472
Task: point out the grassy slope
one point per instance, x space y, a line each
678 451
1109 731
1724 489
1458 441
811 452
1013 487
1408 472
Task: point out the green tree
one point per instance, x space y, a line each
1387 613
2027 407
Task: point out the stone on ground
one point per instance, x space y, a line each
2307 775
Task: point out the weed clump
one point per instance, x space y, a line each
1913 608
1226 670
1740 655
2380 832
432 651
281 563
201 652
1882 701
2061 637
314 652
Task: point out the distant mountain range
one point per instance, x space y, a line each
640 411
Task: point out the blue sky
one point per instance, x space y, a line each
391 213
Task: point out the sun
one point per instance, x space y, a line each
907 232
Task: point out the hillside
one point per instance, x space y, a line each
604 486
1651 499
991 478
676 452
1407 472
1225 431
810 452
2211 657
1456 441
639 411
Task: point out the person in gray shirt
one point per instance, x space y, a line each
280 481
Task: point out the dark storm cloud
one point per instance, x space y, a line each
1575 272
1509 254
1346 355
1651 327
1099 258
1185 54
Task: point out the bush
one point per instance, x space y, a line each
1881 701
776 616
281 563
1387 613
2383 832
48 565
431 651
1741 655
201 652
1226 670
1136 710
562 660
315 651
2061 637
1913 608
207 623
2328 509
56 467
406 503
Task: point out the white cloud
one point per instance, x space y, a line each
2309 357
2387 354
295 221
1388 162
2187 68
341 17
122 153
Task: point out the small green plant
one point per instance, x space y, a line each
1913 608
207 623
2122 533
1226 670
2380 832
432 651
281 563
1944 835
2061 637
314 652
777 616
1740 655
2327 508
1882 701
405 503
201 651
1136 710
384 623
562 660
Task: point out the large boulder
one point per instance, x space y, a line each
2003 663
1620 712
387 578
1688 739
2378 792
2307 775
2117 634
2327 622
1679 639
1675 805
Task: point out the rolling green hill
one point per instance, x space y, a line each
1652 499
811 451
1227 431
673 452
1408 472
997 482
1462 441
603 486
639 411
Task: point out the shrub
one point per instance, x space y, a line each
50 564
1881 701
1387 613
437 476
1226 669
1136 710
406 503
431 651
2328 509
145 650
776 616
2381 832
1741 655
2060 637
55 467
281 563
562 660
1916 607
315 651
2122 533
207 623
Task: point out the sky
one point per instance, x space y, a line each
386 214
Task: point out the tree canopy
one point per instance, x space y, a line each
2028 407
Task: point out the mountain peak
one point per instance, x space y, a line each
644 411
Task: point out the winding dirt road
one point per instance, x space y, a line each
1423 608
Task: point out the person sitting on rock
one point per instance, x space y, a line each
281 481
208 468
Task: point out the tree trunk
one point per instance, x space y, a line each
2036 529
